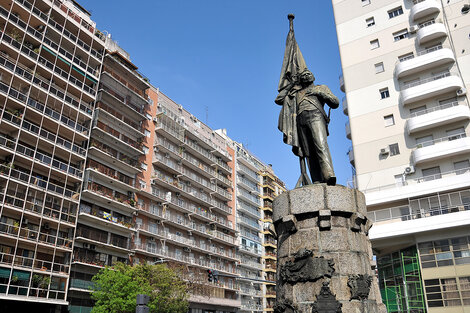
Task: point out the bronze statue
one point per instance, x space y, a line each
303 120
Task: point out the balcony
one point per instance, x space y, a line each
430 87
345 105
341 83
414 187
253 211
347 126
434 117
441 148
423 8
247 161
351 156
425 60
430 31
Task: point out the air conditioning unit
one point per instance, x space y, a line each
462 92
413 28
92 247
385 150
158 222
177 194
187 249
86 245
152 239
409 170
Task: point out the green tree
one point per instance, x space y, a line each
115 289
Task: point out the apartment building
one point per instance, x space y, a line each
108 205
272 187
50 60
406 75
248 214
189 219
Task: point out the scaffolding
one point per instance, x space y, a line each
400 283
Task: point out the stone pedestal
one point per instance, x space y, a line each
323 252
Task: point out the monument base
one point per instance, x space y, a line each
323 252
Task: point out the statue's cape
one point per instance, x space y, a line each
292 65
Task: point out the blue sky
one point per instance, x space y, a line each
224 58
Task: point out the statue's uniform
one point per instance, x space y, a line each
312 130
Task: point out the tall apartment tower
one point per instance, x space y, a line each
272 187
50 60
189 219
250 249
108 200
406 72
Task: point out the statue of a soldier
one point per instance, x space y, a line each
302 119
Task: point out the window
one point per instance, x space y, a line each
143 185
431 173
147 132
145 149
374 44
406 56
379 68
365 2
395 12
384 93
148 116
394 149
143 166
418 111
370 21
402 34
424 141
461 167
389 120
456 133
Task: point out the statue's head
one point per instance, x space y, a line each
306 77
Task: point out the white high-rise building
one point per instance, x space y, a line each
406 72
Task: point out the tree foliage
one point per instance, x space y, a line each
115 289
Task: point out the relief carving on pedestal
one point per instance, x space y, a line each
326 301
359 286
305 268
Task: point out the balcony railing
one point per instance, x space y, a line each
427 80
38 156
253 210
434 109
439 140
38 79
418 180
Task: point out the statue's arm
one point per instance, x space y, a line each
283 93
325 94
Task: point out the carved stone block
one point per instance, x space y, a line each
305 268
359 286
326 301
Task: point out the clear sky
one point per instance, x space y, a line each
222 59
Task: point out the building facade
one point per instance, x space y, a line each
97 166
51 56
406 74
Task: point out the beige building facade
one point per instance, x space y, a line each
406 72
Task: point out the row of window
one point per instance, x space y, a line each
391 14
446 252
445 292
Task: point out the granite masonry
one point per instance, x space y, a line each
323 251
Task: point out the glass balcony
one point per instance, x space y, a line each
425 60
345 105
444 147
423 8
347 127
341 83
437 116
430 87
